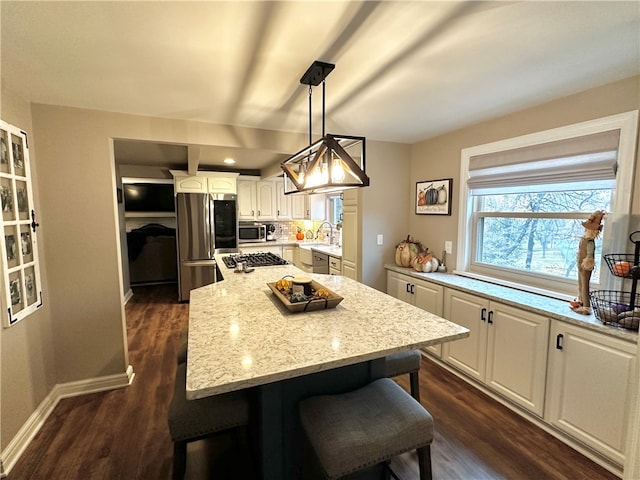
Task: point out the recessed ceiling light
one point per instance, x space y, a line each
229 161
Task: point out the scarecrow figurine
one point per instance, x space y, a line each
584 260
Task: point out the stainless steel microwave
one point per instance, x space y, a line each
252 232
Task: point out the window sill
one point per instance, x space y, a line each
516 286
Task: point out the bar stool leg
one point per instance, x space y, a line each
415 385
179 460
424 462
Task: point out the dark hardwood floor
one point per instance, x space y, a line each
123 434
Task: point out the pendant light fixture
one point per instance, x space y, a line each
333 163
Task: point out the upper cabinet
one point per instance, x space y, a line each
204 182
265 200
308 207
257 200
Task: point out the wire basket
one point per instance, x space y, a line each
623 265
613 307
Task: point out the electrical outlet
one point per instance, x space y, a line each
448 247
380 239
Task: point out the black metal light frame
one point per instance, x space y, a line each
299 168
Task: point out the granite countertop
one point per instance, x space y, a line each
240 335
549 307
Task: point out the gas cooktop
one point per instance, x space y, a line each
266 259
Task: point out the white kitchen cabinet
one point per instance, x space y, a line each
283 202
266 200
257 200
308 207
246 200
351 238
589 387
425 295
289 253
506 348
335 265
222 183
305 259
209 182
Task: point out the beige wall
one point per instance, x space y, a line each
440 157
384 206
27 361
83 229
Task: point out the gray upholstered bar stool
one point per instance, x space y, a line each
405 362
352 432
191 420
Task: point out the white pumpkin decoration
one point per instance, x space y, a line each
442 195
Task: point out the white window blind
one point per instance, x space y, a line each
589 159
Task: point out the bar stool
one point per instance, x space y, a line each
405 362
354 431
181 356
191 420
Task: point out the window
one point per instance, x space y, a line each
334 207
524 199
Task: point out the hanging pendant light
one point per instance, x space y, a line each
333 163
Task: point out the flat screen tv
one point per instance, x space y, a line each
148 197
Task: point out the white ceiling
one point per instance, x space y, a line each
405 71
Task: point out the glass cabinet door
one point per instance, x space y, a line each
22 291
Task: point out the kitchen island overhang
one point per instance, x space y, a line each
241 336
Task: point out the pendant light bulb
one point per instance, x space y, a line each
337 172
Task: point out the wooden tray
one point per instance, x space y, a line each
310 305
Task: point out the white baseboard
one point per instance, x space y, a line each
127 296
34 423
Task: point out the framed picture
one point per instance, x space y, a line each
433 197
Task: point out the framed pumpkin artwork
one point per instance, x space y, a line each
433 197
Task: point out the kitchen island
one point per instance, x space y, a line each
242 337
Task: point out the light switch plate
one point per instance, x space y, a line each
448 247
380 239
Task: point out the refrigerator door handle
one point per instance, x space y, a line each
199 263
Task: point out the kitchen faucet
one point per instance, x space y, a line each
330 231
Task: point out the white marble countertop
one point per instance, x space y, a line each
549 307
241 336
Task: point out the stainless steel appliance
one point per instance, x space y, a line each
320 262
251 232
207 224
253 260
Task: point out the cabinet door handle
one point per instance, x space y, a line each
412 289
483 314
559 338
408 287
490 319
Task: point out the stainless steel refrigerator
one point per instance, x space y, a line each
207 224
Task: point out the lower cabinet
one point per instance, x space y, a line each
589 388
572 378
506 350
425 295
289 253
335 265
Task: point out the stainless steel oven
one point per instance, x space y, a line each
251 232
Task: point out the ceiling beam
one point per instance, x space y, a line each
193 159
